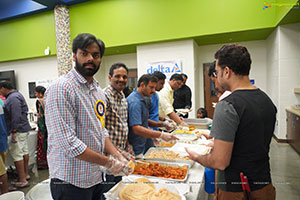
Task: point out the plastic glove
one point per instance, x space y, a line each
155 141
168 125
129 149
170 121
184 124
167 136
125 154
117 168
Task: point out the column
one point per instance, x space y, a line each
63 39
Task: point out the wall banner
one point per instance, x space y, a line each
167 67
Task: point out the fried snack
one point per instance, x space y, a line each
131 164
165 144
160 170
183 131
166 154
192 128
144 189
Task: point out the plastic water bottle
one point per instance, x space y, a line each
209 180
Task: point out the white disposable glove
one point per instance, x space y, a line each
117 167
127 156
168 125
184 124
167 136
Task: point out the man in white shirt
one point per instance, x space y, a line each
166 98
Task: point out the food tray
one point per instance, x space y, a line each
198 148
113 193
198 122
185 138
188 162
164 144
170 164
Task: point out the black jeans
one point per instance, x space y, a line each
61 190
111 181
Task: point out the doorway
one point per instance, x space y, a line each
131 82
210 96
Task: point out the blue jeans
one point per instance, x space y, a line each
61 190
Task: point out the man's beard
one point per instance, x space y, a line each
86 72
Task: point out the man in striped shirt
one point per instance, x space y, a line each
77 139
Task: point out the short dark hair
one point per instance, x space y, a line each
236 57
6 85
176 77
212 69
184 75
159 75
116 66
146 78
40 89
83 40
203 111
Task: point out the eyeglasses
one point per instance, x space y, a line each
214 74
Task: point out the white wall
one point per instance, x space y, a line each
170 51
31 70
129 60
199 82
289 71
257 50
272 44
283 60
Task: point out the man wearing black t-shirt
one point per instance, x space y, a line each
243 127
183 97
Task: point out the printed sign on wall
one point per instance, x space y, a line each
166 67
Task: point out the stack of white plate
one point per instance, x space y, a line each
40 191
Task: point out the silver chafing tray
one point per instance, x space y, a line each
155 149
169 164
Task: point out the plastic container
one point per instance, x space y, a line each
198 122
209 180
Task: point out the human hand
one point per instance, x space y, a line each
125 154
14 137
156 142
129 149
169 126
192 155
184 124
117 167
206 135
168 136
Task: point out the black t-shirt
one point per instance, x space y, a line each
246 118
182 98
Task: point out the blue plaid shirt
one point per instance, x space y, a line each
73 126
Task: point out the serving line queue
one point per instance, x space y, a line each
91 131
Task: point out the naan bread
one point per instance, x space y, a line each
163 194
139 191
145 190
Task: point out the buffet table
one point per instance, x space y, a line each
196 182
